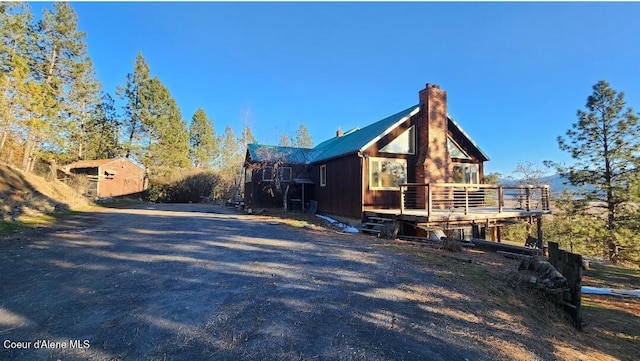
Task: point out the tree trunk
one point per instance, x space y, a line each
27 150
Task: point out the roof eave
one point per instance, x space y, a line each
392 127
486 157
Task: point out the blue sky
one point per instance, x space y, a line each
515 73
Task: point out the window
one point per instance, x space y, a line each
403 144
465 173
248 173
267 174
455 151
323 175
284 173
387 173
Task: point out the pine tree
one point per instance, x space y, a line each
103 131
16 51
303 140
61 47
202 139
285 141
605 146
136 92
168 136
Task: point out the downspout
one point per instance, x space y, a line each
362 186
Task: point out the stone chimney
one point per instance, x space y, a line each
433 162
339 133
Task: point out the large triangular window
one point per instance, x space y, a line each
405 143
455 151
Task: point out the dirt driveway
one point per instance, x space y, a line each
179 282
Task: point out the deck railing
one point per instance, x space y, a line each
465 197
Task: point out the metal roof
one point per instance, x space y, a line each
351 142
360 139
272 153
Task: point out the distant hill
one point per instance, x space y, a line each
556 184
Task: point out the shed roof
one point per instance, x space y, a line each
96 163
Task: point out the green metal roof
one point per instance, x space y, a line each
351 142
292 155
358 140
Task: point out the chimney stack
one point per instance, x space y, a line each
433 163
339 133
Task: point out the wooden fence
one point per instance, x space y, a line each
570 265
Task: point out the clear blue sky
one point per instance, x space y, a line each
515 73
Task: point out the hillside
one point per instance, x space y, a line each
27 195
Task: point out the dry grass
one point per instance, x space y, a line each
611 329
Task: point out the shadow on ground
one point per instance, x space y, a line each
179 282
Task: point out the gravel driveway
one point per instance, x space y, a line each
184 282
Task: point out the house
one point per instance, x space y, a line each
362 169
416 170
114 177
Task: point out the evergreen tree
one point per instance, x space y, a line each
60 48
605 146
303 140
103 131
84 97
285 141
16 48
202 139
168 136
136 118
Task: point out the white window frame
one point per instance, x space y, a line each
375 181
471 175
323 175
410 133
264 172
281 173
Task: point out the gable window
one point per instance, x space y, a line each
455 151
248 173
267 174
323 175
405 143
466 173
387 173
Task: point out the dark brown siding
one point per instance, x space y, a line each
258 194
342 195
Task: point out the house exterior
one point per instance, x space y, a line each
362 169
114 177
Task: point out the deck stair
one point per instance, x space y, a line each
379 226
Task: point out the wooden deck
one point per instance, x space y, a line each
458 216
464 204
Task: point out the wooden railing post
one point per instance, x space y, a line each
402 198
500 198
466 200
528 198
429 199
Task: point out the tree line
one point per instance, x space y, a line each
53 108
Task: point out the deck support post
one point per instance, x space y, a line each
539 227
